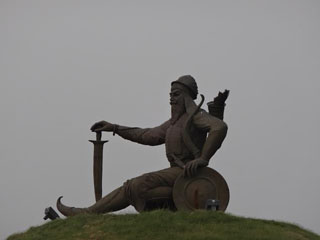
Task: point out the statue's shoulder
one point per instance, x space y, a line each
201 114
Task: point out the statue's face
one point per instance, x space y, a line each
176 95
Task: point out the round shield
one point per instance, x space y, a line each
194 192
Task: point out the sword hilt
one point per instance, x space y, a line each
98 136
98 139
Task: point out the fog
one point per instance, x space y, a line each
66 64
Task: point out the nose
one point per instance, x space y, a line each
172 100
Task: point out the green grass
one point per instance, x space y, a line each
164 225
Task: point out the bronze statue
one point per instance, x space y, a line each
191 137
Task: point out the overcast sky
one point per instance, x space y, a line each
67 64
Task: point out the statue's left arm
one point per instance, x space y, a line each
217 131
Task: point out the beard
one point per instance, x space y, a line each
177 110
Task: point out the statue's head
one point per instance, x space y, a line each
189 84
183 92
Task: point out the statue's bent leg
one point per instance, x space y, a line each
138 189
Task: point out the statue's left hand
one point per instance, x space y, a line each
192 166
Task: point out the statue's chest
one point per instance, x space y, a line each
174 137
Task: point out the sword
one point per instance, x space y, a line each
97 165
177 161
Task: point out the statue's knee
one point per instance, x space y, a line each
133 185
146 185
139 185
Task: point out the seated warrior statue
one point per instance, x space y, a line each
191 137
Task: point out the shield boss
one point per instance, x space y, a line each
193 193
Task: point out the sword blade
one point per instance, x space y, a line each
97 167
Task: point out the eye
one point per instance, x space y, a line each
175 94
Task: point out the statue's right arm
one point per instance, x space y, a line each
147 136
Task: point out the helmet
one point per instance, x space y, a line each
190 83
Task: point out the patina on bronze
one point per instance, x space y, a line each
216 107
50 213
98 165
193 193
191 137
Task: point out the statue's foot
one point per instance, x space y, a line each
69 211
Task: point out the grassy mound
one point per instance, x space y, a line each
164 225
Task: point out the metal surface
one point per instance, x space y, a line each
177 161
191 137
193 193
190 83
212 204
216 107
97 165
50 213
196 152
